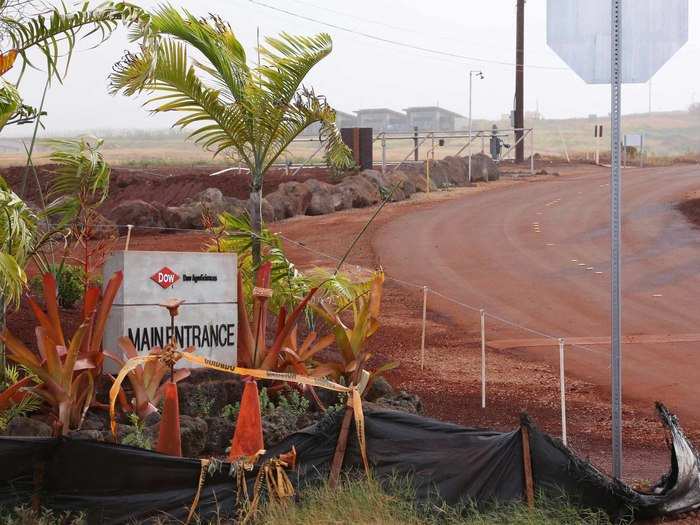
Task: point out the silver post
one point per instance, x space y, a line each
615 227
480 74
483 358
532 151
562 390
383 152
470 126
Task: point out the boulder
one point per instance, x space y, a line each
268 212
27 426
484 168
290 199
187 216
358 190
138 213
322 201
103 228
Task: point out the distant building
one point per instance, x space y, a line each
345 120
342 120
382 119
432 118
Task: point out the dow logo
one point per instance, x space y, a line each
165 277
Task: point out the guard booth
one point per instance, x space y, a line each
359 140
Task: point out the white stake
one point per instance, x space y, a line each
562 389
128 237
483 358
422 336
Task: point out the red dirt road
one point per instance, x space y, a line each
538 254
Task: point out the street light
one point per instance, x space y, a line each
480 75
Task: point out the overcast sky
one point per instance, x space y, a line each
362 72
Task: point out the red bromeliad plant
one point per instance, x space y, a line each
96 308
147 379
253 351
67 370
68 393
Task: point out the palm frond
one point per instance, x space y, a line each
55 34
80 178
17 227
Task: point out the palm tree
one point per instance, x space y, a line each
249 113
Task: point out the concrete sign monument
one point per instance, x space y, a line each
579 32
205 281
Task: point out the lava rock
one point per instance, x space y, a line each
94 435
219 435
193 436
27 426
402 401
322 201
380 387
138 213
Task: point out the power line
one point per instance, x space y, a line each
399 43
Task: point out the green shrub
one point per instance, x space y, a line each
70 280
137 436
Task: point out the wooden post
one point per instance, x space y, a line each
340 447
527 467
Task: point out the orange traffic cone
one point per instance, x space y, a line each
248 437
169 434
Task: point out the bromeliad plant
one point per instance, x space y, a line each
67 369
69 393
351 339
147 379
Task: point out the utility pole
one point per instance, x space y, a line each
519 123
479 74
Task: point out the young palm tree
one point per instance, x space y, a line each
251 113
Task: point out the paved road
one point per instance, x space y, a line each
538 253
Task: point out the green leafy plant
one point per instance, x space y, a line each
136 436
70 280
351 339
14 399
251 113
202 404
293 403
231 411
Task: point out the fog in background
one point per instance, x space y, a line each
363 73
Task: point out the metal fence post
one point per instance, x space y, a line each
483 358
615 226
383 153
562 390
532 151
422 336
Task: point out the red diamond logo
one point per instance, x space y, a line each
165 277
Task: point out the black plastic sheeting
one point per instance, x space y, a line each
116 484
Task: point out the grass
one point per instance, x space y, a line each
365 502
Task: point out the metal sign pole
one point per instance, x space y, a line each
615 227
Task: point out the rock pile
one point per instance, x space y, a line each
311 197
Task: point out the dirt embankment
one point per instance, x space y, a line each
169 186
